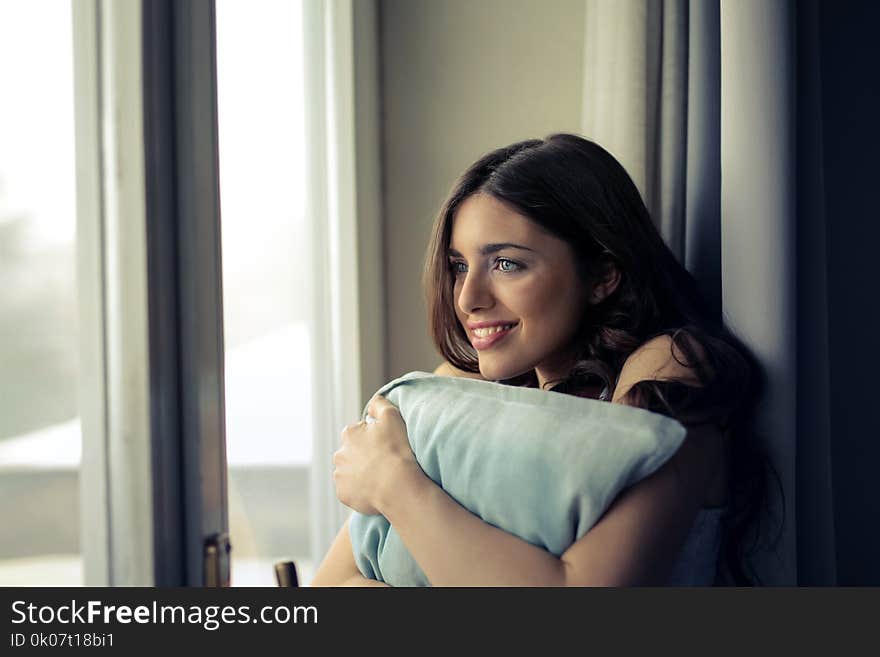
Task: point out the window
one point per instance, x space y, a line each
267 271
124 417
39 418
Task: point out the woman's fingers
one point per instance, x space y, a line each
378 406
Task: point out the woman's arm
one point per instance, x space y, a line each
338 567
635 542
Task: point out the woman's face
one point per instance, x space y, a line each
517 292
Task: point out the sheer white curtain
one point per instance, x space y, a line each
342 125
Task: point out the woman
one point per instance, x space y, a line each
545 270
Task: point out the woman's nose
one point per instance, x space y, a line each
474 293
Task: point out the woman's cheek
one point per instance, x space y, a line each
532 295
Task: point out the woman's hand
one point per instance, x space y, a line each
375 459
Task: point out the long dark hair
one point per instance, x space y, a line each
578 192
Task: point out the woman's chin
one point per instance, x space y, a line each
496 372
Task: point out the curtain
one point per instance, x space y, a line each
838 138
635 81
757 229
815 523
651 97
716 109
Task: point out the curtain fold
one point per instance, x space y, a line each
758 230
815 520
635 99
702 217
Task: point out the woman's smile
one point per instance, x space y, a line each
487 337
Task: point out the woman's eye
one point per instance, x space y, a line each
506 265
457 267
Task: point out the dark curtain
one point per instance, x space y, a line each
838 141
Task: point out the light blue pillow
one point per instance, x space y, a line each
541 465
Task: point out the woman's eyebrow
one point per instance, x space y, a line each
493 248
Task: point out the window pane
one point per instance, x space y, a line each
265 271
39 424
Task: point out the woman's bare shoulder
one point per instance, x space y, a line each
659 359
702 457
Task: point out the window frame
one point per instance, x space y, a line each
151 389
151 384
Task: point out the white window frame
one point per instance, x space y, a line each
114 392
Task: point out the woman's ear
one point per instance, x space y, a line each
606 281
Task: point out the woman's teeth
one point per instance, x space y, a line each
486 332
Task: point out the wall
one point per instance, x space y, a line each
460 78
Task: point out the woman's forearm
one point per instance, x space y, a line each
456 548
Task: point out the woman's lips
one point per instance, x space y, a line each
480 344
